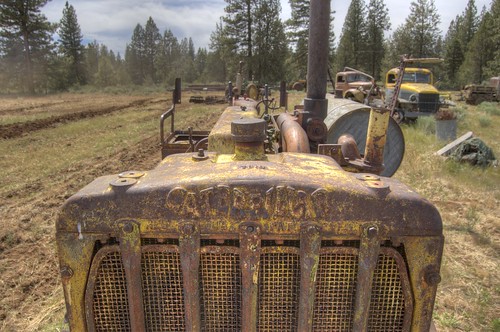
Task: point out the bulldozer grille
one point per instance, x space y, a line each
221 290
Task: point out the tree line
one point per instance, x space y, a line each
249 31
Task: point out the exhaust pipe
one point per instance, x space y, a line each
315 103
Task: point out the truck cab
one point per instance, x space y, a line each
354 84
417 95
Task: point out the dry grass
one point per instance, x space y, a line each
468 198
46 166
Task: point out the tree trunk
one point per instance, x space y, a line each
28 79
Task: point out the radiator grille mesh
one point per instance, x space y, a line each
278 289
387 302
335 289
162 289
220 290
110 304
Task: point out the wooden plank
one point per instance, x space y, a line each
451 146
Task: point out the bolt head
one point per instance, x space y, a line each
128 228
188 229
372 232
66 272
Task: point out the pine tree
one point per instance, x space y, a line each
422 25
297 28
468 24
91 61
150 45
480 53
70 38
493 65
239 26
135 55
352 43
377 24
221 57
454 55
297 33
167 54
25 40
269 41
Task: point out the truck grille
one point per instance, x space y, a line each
220 290
428 102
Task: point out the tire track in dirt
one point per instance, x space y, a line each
31 287
31 221
19 129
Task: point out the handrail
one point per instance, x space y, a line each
163 117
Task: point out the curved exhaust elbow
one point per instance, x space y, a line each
293 136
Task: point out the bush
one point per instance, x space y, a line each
485 121
489 108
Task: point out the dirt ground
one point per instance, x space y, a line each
32 298
29 279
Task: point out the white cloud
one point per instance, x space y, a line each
111 22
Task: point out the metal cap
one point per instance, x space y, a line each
248 130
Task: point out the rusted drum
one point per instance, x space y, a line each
350 117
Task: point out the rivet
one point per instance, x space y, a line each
188 229
66 272
372 232
432 278
128 228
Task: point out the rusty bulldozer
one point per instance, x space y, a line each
261 226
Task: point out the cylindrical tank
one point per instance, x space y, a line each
345 116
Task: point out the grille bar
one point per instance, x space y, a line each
250 257
130 248
310 245
368 256
189 247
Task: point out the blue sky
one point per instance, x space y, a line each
111 22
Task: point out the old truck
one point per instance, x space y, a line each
260 226
412 93
355 85
475 94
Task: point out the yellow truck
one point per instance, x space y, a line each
415 90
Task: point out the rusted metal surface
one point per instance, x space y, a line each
293 137
189 247
130 249
315 104
280 242
280 194
368 256
376 137
250 238
349 117
310 245
348 147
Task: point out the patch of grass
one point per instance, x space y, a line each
460 112
447 320
426 124
495 325
485 121
489 108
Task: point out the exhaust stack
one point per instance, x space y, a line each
315 103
